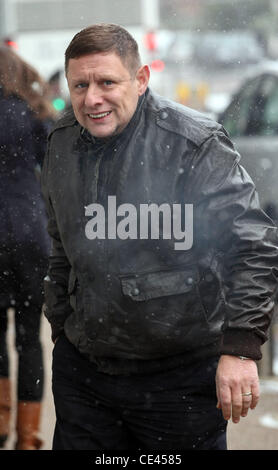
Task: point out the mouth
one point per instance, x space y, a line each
99 116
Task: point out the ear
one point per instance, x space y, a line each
142 78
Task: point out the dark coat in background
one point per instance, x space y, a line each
24 243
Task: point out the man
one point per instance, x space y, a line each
163 266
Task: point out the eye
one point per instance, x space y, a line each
107 82
81 85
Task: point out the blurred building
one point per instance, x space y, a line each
170 33
37 15
43 28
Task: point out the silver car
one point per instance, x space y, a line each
251 119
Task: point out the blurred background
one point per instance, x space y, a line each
217 56
198 50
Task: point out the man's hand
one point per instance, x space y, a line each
235 377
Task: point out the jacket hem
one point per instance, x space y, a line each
116 366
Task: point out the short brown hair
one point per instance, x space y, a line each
105 37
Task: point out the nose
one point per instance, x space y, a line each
93 97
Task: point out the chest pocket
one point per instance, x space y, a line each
168 300
142 287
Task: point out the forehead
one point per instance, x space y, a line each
101 63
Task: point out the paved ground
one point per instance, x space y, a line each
258 431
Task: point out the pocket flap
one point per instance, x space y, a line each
159 284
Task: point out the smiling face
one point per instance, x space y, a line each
103 92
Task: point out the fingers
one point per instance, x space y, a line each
250 400
224 402
255 395
232 405
235 405
246 403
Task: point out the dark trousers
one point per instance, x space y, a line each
30 374
168 410
22 269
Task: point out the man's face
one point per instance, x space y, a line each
103 93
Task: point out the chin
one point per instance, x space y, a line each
102 135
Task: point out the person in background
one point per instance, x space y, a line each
26 117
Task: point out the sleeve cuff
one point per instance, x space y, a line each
241 343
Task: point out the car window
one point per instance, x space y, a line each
255 109
269 116
237 116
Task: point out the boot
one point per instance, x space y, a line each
5 409
27 425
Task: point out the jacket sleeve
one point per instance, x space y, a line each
232 222
57 304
